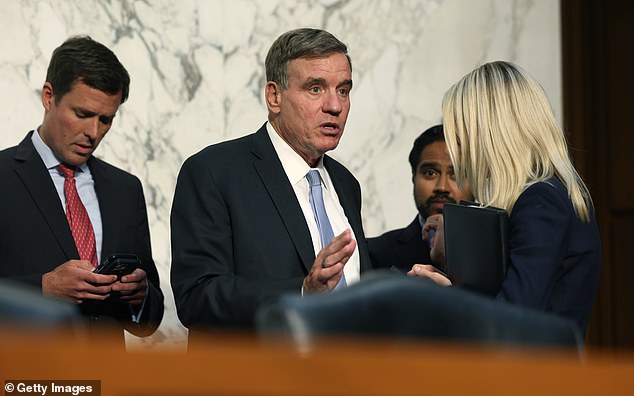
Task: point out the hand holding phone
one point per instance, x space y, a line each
118 264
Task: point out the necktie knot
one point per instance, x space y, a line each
67 171
313 178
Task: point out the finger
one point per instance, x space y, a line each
95 289
435 218
132 297
339 242
433 225
421 270
83 264
100 279
128 286
425 232
439 279
129 293
426 228
430 272
334 281
137 275
331 271
340 256
91 296
334 246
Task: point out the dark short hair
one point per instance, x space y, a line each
80 58
431 135
300 43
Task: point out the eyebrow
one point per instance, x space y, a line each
87 112
314 81
322 82
90 113
346 82
432 164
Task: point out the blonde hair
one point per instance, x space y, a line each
503 137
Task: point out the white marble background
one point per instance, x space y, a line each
197 69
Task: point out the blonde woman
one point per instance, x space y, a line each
505 143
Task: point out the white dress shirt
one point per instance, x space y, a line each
296 169
86 190
84 182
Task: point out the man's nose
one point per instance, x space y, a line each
332 103
442 183
92 128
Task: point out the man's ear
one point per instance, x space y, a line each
47 96
273 96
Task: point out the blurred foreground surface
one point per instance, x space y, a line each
242 364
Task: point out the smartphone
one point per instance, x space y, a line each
118 264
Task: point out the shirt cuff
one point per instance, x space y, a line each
136 313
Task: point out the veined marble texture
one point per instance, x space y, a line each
197 69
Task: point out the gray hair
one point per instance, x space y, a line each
300 43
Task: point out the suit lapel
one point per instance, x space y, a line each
346 196
412 243
269 168
347 199
107 204
412 231
32 172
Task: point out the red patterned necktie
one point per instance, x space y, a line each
78 219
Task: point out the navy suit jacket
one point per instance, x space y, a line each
239 236
554 257
401 248
35 236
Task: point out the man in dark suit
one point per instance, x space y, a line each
434 185
245 227
62 211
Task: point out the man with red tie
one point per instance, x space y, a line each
62 211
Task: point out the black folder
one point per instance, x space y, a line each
476 246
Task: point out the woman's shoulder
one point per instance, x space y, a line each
549 193
549 187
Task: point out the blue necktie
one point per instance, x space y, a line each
316 199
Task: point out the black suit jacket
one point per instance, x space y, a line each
239 237
35 236
555 259
401 248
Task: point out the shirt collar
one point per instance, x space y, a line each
46 153
294 165
421 219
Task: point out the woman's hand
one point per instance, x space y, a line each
430 272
